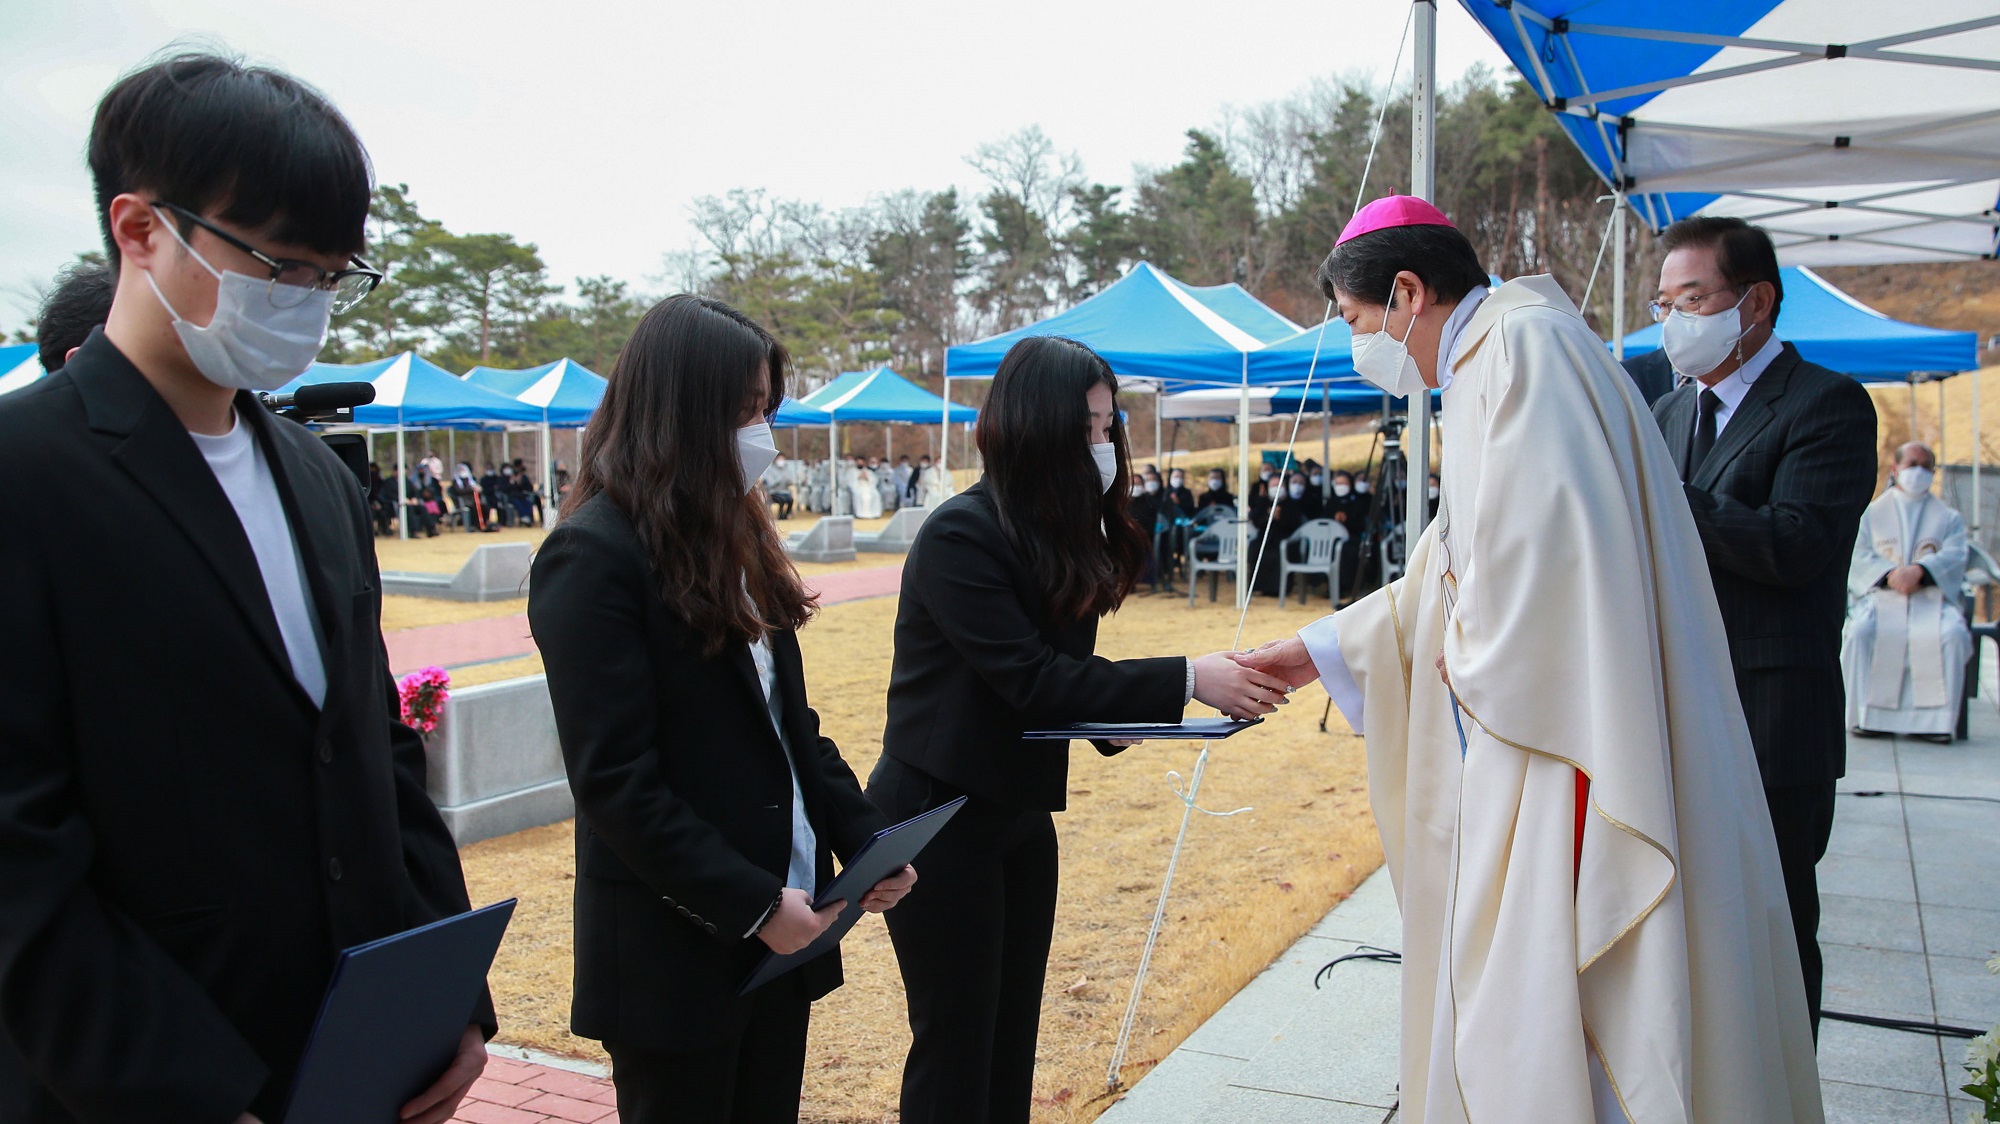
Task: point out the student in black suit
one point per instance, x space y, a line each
1778 456
709 807
1001 596
1178 491
79 301
205 791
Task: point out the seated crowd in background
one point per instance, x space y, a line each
506 495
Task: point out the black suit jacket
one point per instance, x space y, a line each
683 792
1778 502
979 660
185 839
1652 373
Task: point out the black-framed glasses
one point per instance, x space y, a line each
292 281
1690 304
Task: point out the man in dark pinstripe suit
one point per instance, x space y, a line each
1778 456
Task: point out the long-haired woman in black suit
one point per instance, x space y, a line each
1002 592
708 804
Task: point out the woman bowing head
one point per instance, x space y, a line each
709 808
995 635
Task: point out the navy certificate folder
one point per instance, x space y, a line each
886 852
393 1016
1192 729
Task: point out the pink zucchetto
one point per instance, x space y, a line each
1392 210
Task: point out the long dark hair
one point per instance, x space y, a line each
662 447
1077 539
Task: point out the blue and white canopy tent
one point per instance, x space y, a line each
413 393
793 413
566 392
1836 331
1855 132
20 365
1149 326
882 395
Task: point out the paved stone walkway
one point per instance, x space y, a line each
503 638
520 1092
1910 895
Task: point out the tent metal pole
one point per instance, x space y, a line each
944 427
1325 441
1423 185
1940 448
548 470
1976 509
1243 489
402 485
1913 408
1159 410
1617 276
833 465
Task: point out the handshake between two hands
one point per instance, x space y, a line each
1254 683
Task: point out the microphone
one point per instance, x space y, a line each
320 400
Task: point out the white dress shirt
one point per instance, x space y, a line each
803 871
1733 389
239 466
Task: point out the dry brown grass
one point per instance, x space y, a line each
1249 885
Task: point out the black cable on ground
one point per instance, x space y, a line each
1927 796
1914 1026
1368 952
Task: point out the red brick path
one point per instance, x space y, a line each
514 1092
500 638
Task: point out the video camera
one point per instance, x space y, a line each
329 402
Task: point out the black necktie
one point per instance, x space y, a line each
1704 432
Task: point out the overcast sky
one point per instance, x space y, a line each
588 126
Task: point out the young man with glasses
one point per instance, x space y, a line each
1778 459
205 791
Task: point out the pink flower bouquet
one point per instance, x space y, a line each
423 694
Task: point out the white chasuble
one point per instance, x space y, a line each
1647 970
1903 656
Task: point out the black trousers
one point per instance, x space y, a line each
1802 816
973 945
752 1078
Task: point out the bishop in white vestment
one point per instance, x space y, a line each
1904 650
1595 925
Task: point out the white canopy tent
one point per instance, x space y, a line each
1855 132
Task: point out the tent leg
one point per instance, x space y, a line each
1325 441
1243 491
402 487
1977 510
1159 409
548 475
1618 276
944 427
1423 185
1940 448
833 467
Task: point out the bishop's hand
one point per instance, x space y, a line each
1236 689
1286 660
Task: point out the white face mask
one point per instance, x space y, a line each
250 343
1431 491
1178 480
1361 486
1215 483
1317 480
1384 360
1152 486
1696 345
1297 491
1137 491
1914 480
755 450
1342 489
1106 455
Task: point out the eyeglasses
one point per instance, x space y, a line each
1690 304
292 281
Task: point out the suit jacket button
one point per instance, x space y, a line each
683 910
326 752
710 928
333 869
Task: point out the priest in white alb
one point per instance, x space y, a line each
1594 923
1904 650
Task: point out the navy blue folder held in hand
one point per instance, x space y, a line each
1191 729
392 1019
886 852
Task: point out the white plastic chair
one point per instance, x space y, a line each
1222 533
1325 541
